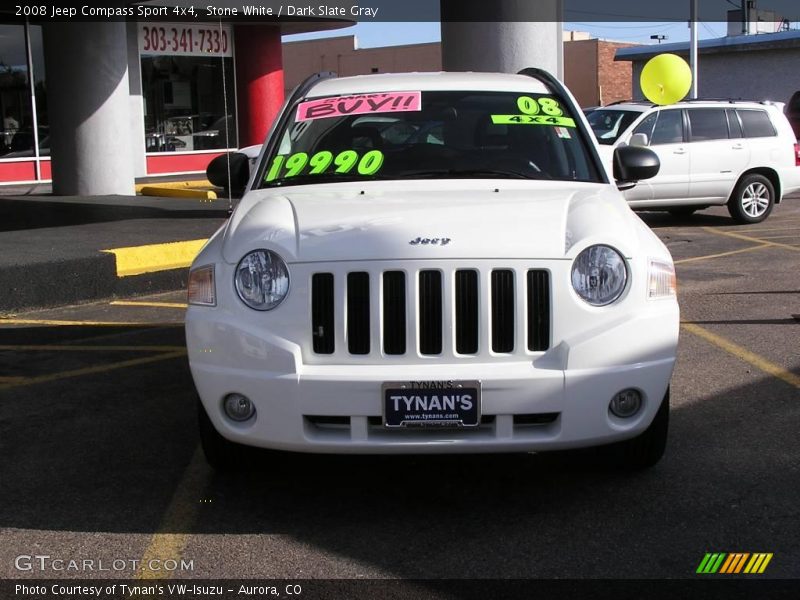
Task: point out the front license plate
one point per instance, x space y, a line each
432 403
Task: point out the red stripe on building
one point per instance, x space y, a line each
179 163
17 171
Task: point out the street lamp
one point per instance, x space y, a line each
659 37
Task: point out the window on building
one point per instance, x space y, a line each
669 127
708 124
188 104
756 123
16 134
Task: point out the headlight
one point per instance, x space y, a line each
262 280
599 275
201 290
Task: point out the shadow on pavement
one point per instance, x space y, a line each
106 454
35 213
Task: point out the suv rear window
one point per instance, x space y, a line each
756 123
708 124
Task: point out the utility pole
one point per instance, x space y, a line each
693 45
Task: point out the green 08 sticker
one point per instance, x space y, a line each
284 166
544 105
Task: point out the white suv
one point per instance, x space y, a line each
434 263
743 154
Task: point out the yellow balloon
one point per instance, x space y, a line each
666 79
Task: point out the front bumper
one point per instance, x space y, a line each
569 387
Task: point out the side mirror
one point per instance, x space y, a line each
638 139
634 163
217 172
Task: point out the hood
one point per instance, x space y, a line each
342 222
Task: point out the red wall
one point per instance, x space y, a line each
259 80
177 163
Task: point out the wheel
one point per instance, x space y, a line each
683 212
222 454
752 199
646 449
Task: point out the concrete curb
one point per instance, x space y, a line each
107 274
59 283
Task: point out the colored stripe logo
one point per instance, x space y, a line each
734 563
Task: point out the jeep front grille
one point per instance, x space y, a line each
431 312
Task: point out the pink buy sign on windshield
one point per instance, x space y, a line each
361 104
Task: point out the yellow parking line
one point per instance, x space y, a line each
748 238
10 379
92 370
77 348
63 323
195 183
169 541
707 256
167 192
153 304
744 354
135 260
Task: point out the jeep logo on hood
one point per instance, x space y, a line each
430 241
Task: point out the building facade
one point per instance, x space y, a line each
750 67
173 94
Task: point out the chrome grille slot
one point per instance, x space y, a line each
394 312
503 310
466 314
322 313
358 329
430 312
538 310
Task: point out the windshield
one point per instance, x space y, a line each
608 125
408 135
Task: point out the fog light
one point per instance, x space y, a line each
238 407
626 404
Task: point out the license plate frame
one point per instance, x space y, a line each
433 403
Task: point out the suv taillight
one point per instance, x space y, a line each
797 155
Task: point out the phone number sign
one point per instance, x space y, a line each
185 40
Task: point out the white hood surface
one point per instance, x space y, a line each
471 219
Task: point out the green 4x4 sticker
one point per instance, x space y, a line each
541 111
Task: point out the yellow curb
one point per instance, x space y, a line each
154 190
135 260
196 183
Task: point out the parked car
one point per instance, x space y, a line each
792 111
740 154
434 263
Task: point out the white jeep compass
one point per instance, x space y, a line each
434 263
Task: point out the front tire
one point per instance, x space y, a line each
646 449
752 199
222 454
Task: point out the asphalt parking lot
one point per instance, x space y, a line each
100 456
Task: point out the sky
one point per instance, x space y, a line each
372 35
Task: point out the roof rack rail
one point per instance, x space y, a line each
730 100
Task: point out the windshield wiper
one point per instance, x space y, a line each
477 173
323 178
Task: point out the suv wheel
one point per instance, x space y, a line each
646 449
752 199
222 454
